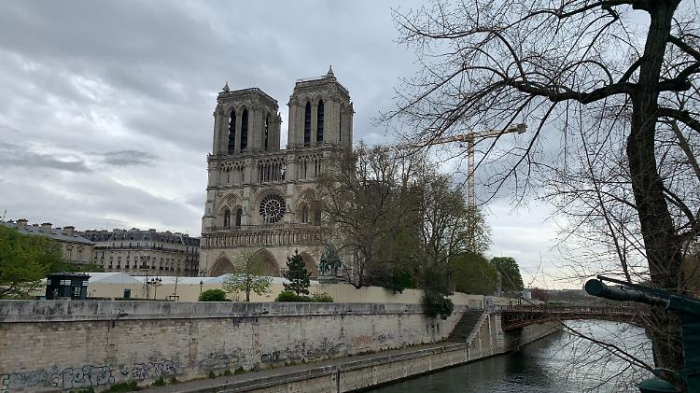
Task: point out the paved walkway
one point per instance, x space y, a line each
281 373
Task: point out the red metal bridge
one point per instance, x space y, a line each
516 317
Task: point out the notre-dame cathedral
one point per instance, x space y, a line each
264 199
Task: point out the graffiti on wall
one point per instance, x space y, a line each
220 360
300 352
87 376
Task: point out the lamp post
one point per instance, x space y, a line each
155 282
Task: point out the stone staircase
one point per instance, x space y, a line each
470 319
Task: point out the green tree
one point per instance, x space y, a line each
247 277
510 273
297 274
472 273
24 260
213 295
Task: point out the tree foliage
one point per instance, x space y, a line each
24 260
213 295
297 275
247 277
539 294
511 279
472 273
618 77
397 217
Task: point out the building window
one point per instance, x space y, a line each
307 124
227 218
244 130
232 132
267 130
305 214
239 216
319 122
317 216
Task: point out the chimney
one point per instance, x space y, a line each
46 228
68 230
22 223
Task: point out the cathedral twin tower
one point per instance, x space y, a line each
261 198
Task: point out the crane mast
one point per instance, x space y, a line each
470 139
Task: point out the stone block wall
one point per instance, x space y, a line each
73 345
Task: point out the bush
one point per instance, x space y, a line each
213 295
321 298
435 304
289 296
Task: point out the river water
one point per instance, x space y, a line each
562 362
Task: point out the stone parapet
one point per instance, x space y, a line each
18 311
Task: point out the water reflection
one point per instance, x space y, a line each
558 363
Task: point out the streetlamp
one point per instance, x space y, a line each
155 282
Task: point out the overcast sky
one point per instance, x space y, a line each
106 107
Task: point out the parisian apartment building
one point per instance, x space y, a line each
145 252
76 249
133 251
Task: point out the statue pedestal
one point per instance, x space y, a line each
329 279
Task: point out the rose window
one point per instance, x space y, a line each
272 208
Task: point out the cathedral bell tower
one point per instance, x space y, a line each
320 113
245 121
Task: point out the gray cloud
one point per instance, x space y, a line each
94 90
18 156
126 158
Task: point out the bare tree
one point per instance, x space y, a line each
627 70
360 201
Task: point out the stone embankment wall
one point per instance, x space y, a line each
74 345
359 375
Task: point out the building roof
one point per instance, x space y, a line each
135 234
54 233
113 278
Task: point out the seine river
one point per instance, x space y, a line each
558 363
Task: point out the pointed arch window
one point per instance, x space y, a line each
305 214
340 124
232 132
317 216
239 217
319 121
307 124
267 130
227 218
244 130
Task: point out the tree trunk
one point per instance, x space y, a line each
662 245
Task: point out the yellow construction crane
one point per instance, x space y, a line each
469 139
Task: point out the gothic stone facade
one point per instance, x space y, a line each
263 199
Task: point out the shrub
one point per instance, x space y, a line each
124 387
159 382
322 298
435 304
289 296
213 295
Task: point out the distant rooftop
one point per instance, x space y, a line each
61 234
